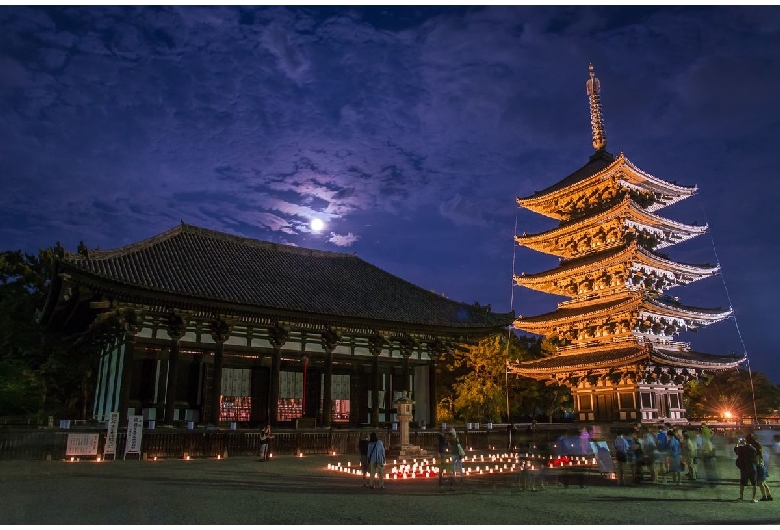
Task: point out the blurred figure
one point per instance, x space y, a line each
690 455
652 456
443 448
708 455
584 442
675 457
661 452
621 455
457 457
776 449
639 456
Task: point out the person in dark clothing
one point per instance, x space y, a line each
265 440
363 450
761 470
746 462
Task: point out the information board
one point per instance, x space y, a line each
82 444
135 429
111 434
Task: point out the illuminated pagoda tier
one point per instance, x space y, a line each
616 330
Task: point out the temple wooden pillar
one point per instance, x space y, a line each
277 336
220 332
131 321
327 390
407 346
329 340
375 390
405 372
432 390
175 330
375 345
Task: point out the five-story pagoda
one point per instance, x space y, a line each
616 332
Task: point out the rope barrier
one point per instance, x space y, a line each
733 311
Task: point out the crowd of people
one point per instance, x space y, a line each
662 454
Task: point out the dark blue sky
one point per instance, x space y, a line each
408 130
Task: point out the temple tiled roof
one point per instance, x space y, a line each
206 265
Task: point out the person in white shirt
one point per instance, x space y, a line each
376 460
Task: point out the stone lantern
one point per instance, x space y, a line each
404 410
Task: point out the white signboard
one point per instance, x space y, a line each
82 444
113 427
135 429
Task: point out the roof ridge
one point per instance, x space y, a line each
244 240
126 249
185 228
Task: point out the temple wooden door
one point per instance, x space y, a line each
605 410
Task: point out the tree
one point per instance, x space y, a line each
731 391
39 373
474 385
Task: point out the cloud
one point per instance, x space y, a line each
461 211
342 240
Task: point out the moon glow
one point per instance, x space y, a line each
317 225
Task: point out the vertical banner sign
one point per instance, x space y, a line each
111 433
83 444
135 428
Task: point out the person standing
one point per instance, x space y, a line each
265 441
376 460
746 462
761 470
457 458
364 464
621 455
443 449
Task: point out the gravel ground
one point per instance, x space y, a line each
290 490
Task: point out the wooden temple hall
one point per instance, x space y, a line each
617 328
195 325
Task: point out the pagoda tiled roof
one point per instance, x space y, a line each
636 300
692 359
628 208
623 356
585 361
573 312
206 265
603 162
597 163
618 253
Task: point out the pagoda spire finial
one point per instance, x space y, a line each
593 88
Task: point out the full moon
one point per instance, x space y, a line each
317 225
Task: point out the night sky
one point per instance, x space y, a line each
408 130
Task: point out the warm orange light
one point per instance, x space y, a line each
727 414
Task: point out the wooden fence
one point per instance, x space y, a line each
43 444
